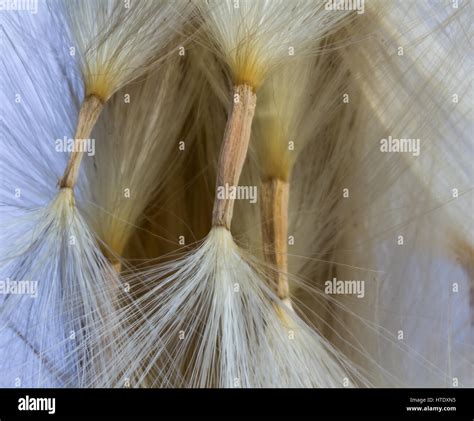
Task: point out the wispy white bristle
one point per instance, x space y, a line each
54 254
409 209
255 35
56 285
137 143
116 41
210 320
293 105
390 228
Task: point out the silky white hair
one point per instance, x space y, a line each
137 135
117 41
254 36
208 319
204 314
46 340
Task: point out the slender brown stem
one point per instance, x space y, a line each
274 212
233 151
88 115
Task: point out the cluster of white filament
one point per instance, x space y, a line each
210 317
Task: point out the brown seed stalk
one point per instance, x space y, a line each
88 115
233 151
274 213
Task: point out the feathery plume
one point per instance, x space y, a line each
58 284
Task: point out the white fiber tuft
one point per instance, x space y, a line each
210 320
254 36
117 41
